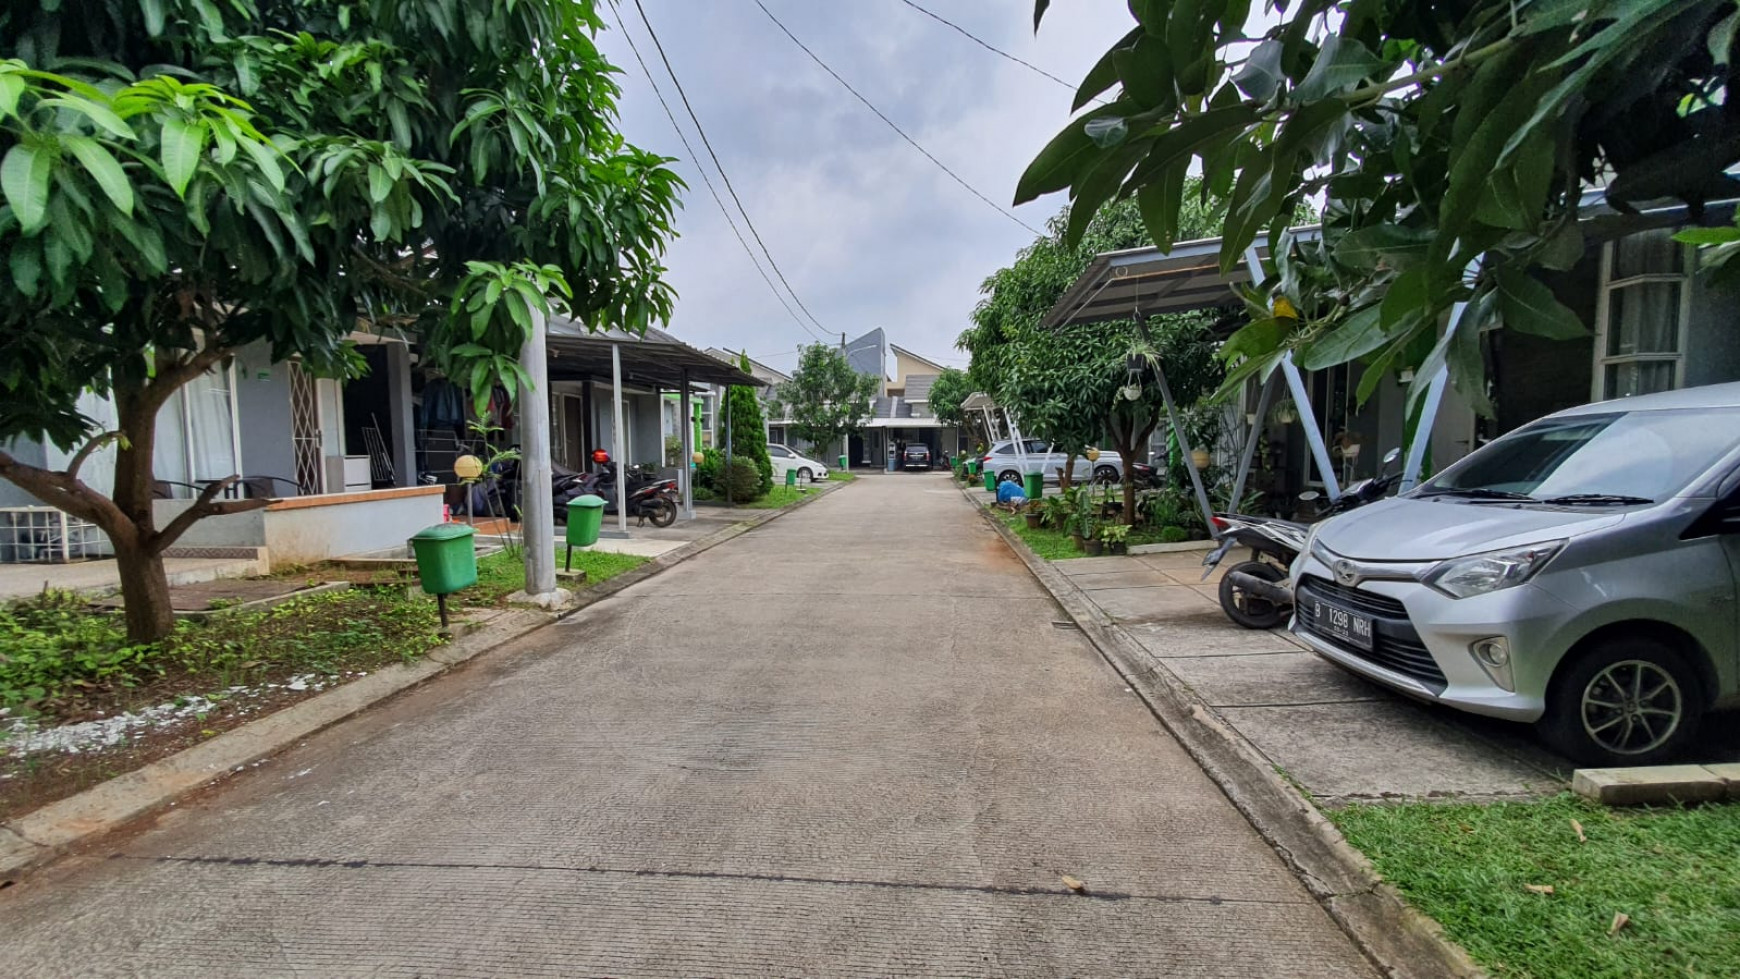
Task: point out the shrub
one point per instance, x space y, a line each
742 481
1173 535
708 469
54 640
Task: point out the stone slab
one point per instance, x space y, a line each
1139 578
1729 773
18 853
1100 565
1381 750
1131 606
1654 784
1205 631
1271 679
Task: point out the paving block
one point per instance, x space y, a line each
1650 784
1729 773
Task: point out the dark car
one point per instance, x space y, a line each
916 457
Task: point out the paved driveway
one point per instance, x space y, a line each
820 748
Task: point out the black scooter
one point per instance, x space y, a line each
649 496
1256 593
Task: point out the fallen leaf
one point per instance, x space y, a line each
1073 884
1579 828
1620 920
1539 888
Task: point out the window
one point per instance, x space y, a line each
1641 316
779 452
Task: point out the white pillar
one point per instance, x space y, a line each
537 512
685 464
618 439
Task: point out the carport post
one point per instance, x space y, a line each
1184 447
617 439
1251 441
537 496
688 441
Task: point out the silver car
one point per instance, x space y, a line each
1579 573
1003 460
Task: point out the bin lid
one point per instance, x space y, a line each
445 531
587 501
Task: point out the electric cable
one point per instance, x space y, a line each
991 47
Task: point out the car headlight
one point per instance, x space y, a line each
1478 574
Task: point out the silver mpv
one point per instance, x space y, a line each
1581 573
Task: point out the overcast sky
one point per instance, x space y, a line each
868 232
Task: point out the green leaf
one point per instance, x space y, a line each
1341 64
26 267
1708 236
104 169
265 157
1357 335
24 179
1061 161
1104 73
182 145
1262 77
11 90
1390 244
1526 305
153 11
380 185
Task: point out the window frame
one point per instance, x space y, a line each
1604 309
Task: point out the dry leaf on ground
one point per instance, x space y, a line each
1539 888
1072 883
1620 920
1579 829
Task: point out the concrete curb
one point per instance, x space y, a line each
41 835
1400 941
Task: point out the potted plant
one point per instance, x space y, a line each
1034 513
1116 537
1084 522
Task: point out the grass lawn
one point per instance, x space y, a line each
1048 543
503 573
836 476
1674 872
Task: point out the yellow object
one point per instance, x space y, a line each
468 467
1093 455
1283 308
699 458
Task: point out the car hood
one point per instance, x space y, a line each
1412 529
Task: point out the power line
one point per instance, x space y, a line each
684 96
990 47
672 116
891 124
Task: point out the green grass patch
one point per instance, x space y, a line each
779 496
1048 543
1674 872
61 659
836 476
503 573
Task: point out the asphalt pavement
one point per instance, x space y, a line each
856 741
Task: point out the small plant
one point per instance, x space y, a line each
1173 535
1115 533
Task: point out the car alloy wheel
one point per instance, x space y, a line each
1632 707
805 476
1105 475
1008 476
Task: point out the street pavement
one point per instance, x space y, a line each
855 741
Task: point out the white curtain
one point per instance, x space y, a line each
211 426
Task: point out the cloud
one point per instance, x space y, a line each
869 232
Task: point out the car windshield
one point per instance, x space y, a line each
1626 457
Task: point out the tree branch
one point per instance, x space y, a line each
78 460
206 505
65 492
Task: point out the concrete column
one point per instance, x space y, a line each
684 465
537 513
618 439
402 438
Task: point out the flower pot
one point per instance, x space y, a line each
1076 540
1032 521
1199 458
1093 548
1117 547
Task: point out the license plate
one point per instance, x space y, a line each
1349 627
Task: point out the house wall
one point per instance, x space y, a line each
31 454
1713 340
315 528
1535 376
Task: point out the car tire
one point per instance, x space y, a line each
1008 476
1105 475
1248 610
1598 702
805 476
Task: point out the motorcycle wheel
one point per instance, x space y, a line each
662 513
1249 610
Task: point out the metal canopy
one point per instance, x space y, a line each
657 359
1187 278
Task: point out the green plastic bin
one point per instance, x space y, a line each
990 481
446 560
585 516
972 468
845 466
1033 485
791 477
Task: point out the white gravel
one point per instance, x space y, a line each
22 736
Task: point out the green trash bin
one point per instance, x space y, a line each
990 480
446 560
1033 485
972 468
585 516
844 465
791 477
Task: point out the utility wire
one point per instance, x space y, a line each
891 124
990 47
684 96
672 116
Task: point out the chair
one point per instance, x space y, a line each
265 487
164 489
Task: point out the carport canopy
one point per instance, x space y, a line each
657 359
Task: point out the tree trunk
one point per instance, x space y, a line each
1066 479
1128 456
145 593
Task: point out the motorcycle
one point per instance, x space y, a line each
1256 593
649 496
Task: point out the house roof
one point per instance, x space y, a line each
772 375
918 387
921 358
658 358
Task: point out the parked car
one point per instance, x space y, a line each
1045 460
1581 573
785 459
916 457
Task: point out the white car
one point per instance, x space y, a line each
786 460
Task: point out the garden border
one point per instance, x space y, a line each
38 837
1400 941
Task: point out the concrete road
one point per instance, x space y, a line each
852 742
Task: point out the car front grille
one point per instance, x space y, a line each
1396 646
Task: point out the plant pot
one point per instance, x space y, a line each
1199 458
1076 540
1093 548
1117 547
1032 521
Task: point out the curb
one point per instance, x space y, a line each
1400 941
37 837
